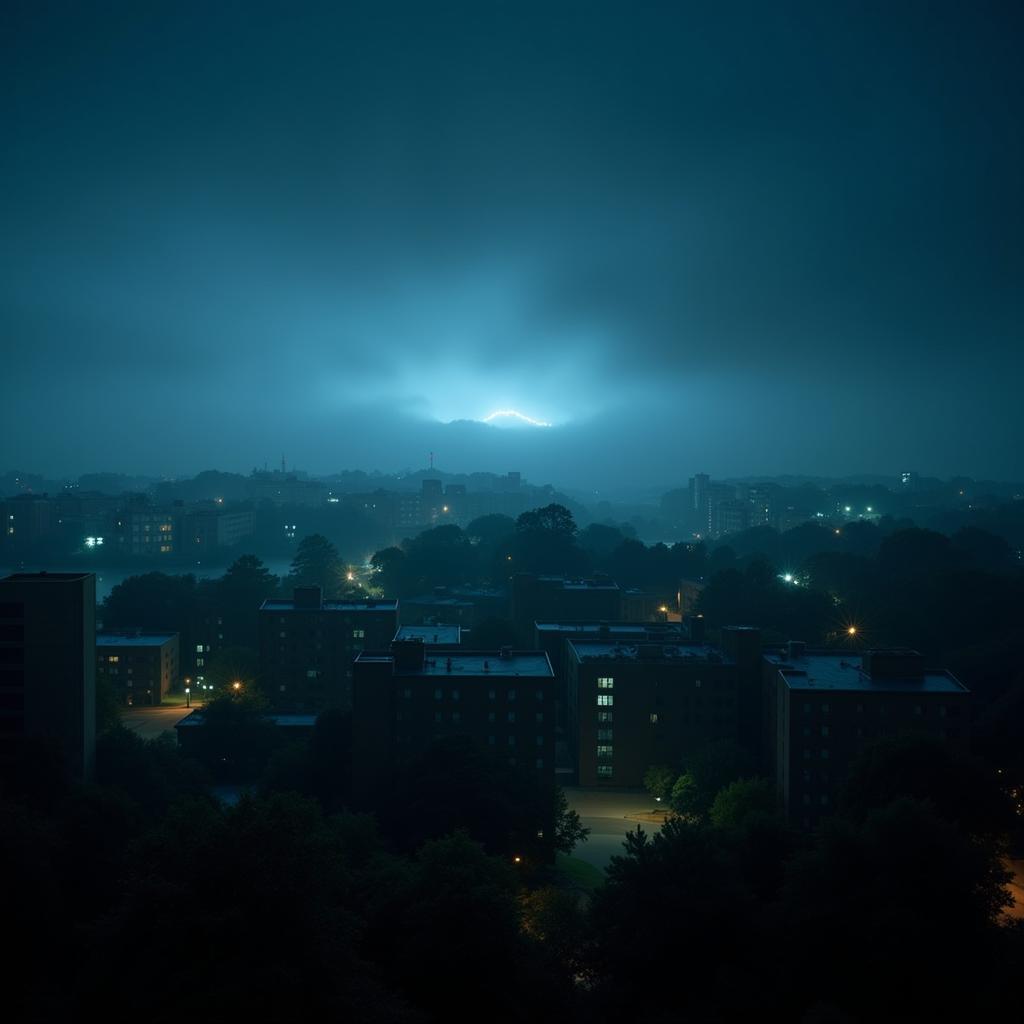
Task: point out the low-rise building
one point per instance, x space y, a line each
308 645
409 696
140 667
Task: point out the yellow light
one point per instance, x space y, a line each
350 575
838 532
663 608
517 859
852 630
236 685
445 508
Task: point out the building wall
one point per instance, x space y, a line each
398 715
653 712
306 655
48 664
139 675
820 734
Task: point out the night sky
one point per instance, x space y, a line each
732 238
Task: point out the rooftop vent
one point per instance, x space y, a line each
795 649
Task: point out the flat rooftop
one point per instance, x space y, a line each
442 633
383 605
836 672
534 664
284 721
610 650
615 629
44 577
580 584
133 640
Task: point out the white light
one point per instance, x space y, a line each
515 415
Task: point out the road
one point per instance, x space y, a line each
150 722
610 814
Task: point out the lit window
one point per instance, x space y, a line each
311 673
358 634
604 734
604 771
604 716
605 700
605 683
654 718
604 751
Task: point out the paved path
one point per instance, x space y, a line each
610 814
150 722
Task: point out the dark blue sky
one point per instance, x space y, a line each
727 237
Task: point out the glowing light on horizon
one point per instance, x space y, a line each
515 415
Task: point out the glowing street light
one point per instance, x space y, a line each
236 686
851 630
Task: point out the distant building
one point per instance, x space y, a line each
633 705
140 667
561 599
731 515
464 606
821 708
407 697
307 646
206 531
26 521
48 664
143 531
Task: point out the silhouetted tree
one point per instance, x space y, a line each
317 564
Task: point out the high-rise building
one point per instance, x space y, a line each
48 664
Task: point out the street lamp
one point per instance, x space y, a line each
236 686
188 692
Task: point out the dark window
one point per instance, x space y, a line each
12 610
12 701
15 633
12 655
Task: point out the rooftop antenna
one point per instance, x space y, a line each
282 464
431 460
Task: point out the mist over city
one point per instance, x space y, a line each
512 511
